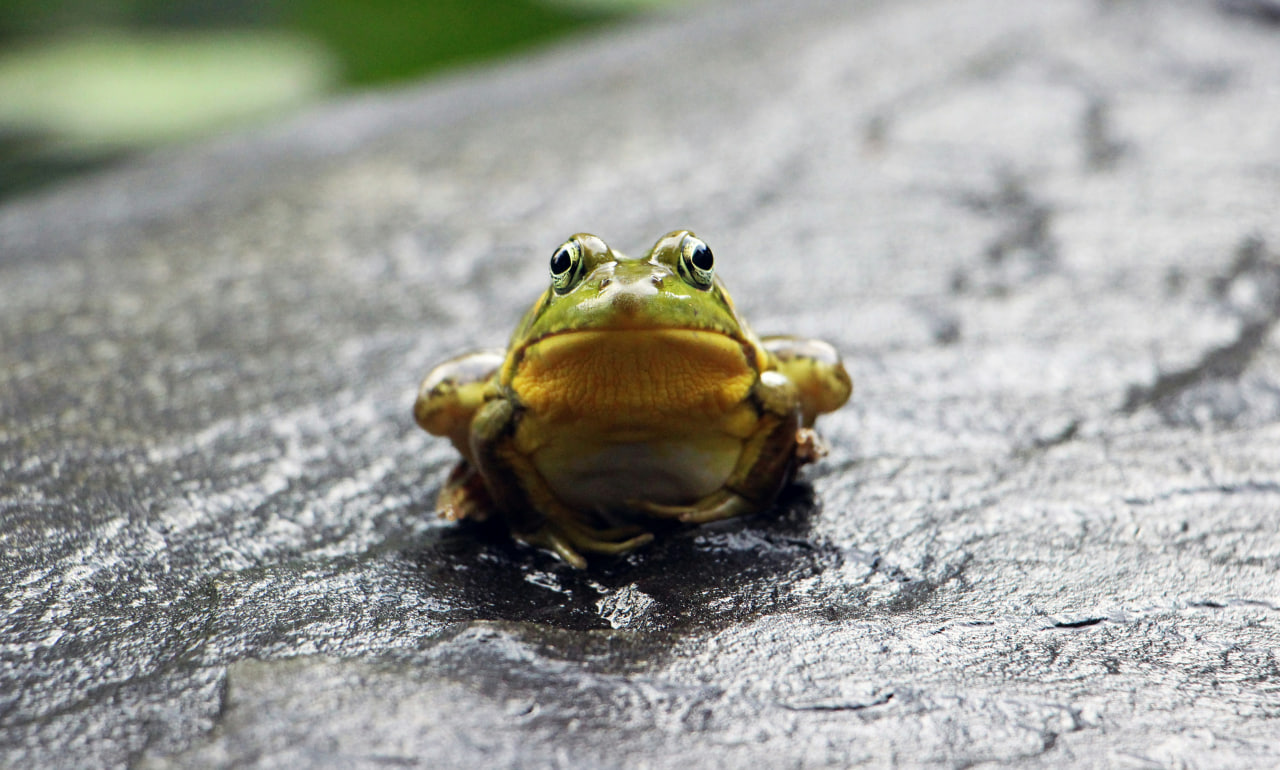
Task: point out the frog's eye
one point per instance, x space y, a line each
697 264
566 266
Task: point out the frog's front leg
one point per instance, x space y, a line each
532 510
767 459
816 370
452 393
448 399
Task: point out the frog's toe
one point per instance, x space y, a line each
604 540
555 542
567 539
809 446
463 495
615 547
658 510
722 505
732 505
606 534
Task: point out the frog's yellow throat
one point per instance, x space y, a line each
626 375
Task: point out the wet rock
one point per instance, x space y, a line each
1043 234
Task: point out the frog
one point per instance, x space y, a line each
631 397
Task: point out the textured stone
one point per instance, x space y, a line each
1044 235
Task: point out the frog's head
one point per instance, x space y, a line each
594 288
629 336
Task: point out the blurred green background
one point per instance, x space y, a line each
84 83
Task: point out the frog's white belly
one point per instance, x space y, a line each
605 476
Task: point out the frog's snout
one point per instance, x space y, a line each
630 296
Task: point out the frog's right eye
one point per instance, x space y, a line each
696 262
566 266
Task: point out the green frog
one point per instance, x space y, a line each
631 392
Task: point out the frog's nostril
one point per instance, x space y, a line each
603 283
657 280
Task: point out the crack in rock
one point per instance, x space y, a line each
1022 251
1101 149
1265 11
1250 290
1082 623
880 701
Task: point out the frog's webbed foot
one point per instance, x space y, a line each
724 504
566 537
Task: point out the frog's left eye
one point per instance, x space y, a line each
566 266
697 264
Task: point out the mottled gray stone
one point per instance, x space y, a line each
1044 234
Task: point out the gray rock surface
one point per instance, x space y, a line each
1044 234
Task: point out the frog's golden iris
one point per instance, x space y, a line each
631 390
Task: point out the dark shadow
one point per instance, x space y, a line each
695 576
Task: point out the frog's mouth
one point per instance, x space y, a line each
634 372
